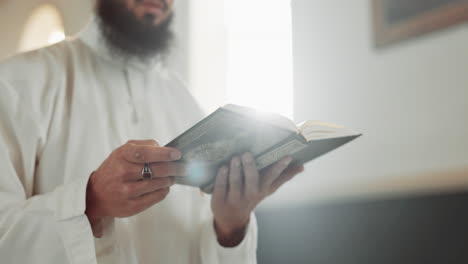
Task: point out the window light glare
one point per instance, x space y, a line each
260 55
55 37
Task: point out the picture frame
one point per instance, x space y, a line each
397 20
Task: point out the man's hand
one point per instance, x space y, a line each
116 189
239 189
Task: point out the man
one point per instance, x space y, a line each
72 190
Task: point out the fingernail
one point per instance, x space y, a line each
247 157
236 162
175 155
287 161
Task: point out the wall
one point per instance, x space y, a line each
410 101
383 231
14 14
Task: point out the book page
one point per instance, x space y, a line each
229 134
313 130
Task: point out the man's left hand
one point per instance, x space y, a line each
239 189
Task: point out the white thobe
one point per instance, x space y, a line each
63 110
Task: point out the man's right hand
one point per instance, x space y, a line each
116 189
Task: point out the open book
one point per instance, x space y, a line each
232 130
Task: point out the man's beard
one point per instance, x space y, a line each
128 35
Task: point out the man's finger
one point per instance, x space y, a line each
150 142
221 185
273 172
148 154
140 188
285 177
251 177
144 202
235 180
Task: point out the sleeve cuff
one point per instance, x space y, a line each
212 252
71 199
77 238
74 226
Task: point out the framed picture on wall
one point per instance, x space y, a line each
396 20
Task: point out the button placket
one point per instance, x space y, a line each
135 87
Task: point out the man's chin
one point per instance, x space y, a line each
134 35
150 19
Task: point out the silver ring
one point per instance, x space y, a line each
146 173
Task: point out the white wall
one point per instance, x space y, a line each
410 101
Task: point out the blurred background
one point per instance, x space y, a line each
395 70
